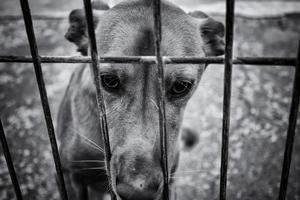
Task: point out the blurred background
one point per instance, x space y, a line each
260 102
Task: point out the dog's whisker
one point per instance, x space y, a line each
154 103
87 140
96 148
92 168
93 146
91 142
86 161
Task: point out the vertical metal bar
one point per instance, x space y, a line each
161 99
291 131
9 163
97 80
43 94
227 95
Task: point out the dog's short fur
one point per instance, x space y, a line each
130 96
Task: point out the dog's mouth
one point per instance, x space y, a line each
134 190
126 192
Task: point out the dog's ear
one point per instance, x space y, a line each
212 33
77 32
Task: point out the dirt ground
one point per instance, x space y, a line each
260 105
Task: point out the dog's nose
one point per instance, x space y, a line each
139 176
137 191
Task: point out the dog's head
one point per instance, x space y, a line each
131 90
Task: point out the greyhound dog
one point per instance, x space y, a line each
130 94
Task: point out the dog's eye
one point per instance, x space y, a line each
180 88
110 82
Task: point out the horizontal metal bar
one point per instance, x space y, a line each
9 163
264 61
284 61
227 96
252 17
47 16
63 15
291 131
43 93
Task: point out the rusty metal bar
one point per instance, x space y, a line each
43 94
97 79
284 61
291 131
9 163
161 97
49 16
264 61
227 95
63 15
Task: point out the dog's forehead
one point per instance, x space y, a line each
134 71
129 31
138 40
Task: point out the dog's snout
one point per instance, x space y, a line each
139 178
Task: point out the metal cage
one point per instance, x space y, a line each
159 60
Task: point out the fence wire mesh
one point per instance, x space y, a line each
160 60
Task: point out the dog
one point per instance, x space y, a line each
130 93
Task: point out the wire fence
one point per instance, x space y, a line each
160 61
